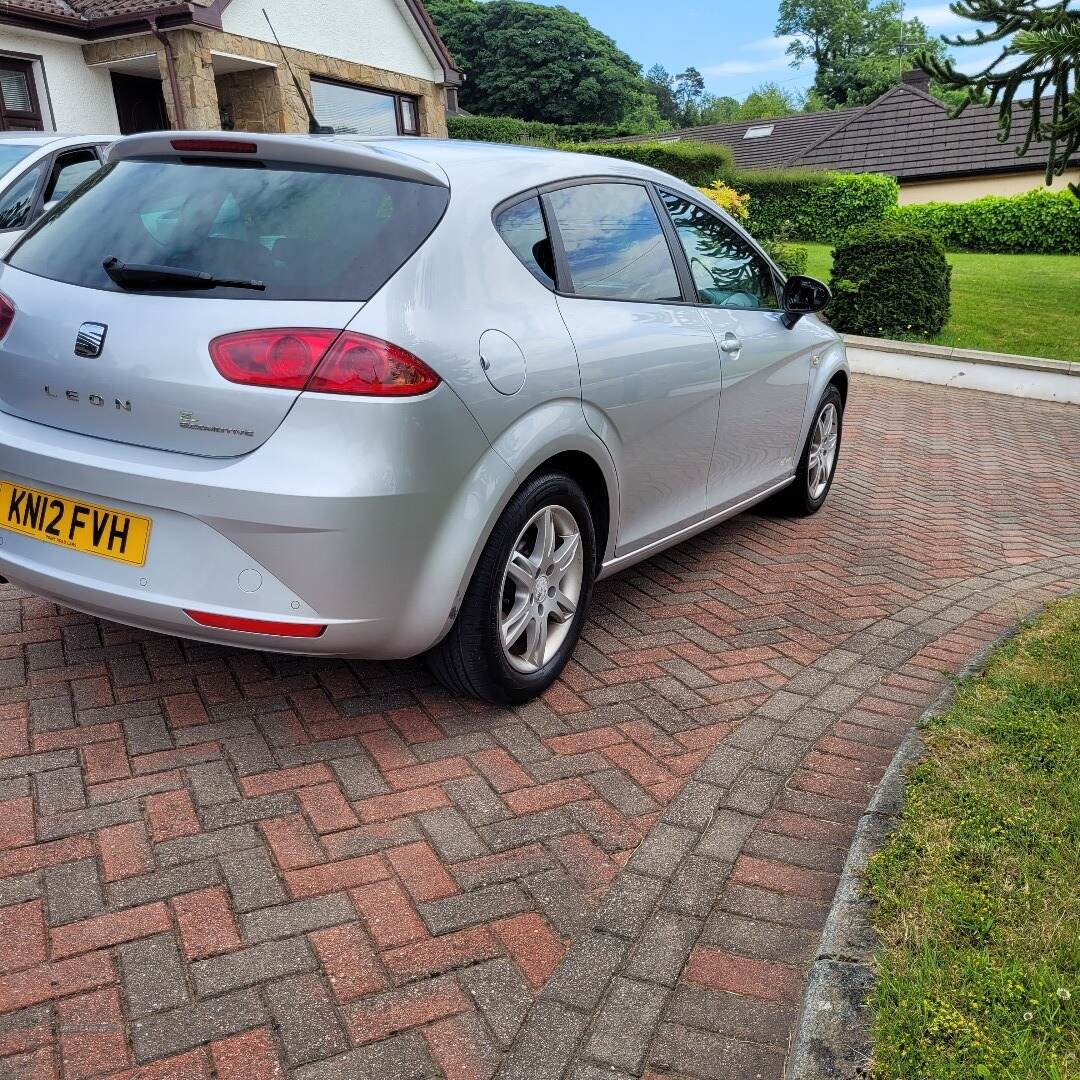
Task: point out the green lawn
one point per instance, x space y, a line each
977 897
1025 304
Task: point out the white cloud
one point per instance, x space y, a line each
936 17
756 58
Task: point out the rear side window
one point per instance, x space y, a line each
308 233
615 247
522 227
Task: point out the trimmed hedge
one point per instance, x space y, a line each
821 206
697 164
791 258
889 280
508 129
1039 222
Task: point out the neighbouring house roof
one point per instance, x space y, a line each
90 19
905 133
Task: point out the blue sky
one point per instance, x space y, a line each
730 41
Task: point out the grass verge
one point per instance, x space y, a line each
1027 305
976 894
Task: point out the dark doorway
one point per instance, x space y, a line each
140 105
19 109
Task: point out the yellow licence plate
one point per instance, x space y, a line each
83 526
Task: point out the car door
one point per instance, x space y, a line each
649 364
765 365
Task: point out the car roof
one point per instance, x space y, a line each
504 169
492 172
46 138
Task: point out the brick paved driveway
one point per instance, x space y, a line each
233 864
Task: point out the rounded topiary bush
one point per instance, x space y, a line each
889 280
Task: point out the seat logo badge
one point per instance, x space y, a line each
90 339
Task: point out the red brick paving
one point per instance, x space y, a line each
232 864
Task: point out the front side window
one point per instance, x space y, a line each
727 271
17 202
615 247
306 233
522 227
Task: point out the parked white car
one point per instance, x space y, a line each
37 169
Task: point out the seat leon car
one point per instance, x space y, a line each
383 398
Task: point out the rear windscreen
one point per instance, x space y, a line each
307 233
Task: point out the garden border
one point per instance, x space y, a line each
832 1039
973 369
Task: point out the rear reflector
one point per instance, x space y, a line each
323 361
7 314
216 146
256 626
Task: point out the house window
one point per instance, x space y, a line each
763 131
19 109
356 110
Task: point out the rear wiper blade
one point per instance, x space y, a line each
148 276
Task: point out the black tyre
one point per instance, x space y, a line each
817 466
523 610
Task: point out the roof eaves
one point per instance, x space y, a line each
452 74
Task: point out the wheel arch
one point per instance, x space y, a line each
584 470
840 380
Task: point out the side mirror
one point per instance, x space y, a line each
803 296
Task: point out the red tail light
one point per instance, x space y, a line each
216 146
7 315
256 626
323 361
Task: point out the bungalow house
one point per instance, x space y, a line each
120 66
905 133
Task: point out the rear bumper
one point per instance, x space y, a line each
364 516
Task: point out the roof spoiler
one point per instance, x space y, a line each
354 155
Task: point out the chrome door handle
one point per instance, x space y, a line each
730 344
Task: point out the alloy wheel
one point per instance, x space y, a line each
541 588
823 451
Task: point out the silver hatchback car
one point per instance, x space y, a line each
380 398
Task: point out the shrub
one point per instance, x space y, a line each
697 164
727 198
1039 222
791 258
890 280
818 206
508 129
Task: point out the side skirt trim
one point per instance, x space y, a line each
612 566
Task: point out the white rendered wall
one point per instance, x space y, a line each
379 33
80 99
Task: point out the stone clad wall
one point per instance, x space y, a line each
260 99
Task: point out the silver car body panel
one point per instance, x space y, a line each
369 515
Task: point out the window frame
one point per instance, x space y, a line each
778 277
395 95
93 148
687 286
37 207
563 277
500 208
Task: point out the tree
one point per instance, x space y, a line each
764 102
1040 59
679 98
537 63
857 47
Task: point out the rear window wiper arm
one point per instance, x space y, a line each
148 276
